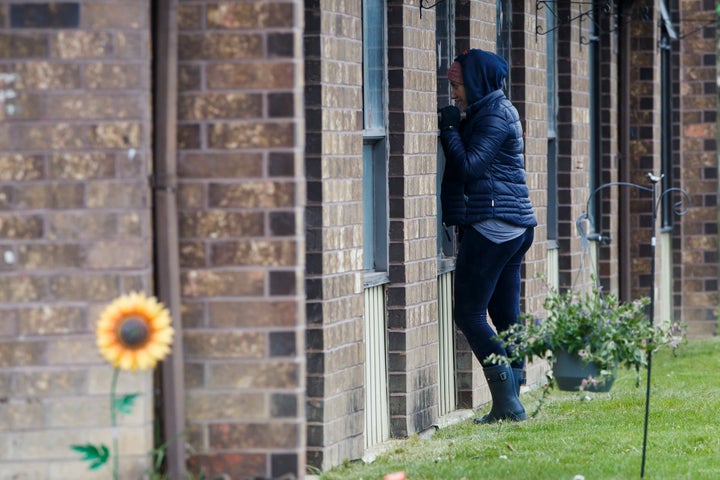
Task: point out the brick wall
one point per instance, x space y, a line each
644 142
241 193
573 139
333 227
697 286
412 294
607 220
74 227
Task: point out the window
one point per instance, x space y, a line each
503 24
444 35
375 222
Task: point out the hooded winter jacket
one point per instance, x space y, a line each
484 175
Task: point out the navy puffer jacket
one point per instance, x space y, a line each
484 174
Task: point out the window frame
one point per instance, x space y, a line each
375 144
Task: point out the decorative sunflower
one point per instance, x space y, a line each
134 332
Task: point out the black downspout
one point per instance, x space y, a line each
171 401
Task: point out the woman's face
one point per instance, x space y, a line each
457 93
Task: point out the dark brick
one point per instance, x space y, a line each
284 464
283 405
282 223
281 45
283 283
281 105
282 344
281 164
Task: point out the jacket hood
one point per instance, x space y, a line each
483 73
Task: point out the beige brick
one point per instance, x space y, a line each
213 406
49 383
19 167
26 470
83 287
38 445
81 44
120 254
253 375
200 283
108 15
91 411
112 76
51 320
73 351
130 467
21 414
52 195
225 344
17 354
47 76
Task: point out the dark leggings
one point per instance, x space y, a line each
487 280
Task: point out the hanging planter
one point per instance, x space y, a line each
598 329
572 373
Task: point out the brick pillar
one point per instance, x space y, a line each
696 288
573 140
334 274
412 294
241 199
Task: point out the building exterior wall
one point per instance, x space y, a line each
270 213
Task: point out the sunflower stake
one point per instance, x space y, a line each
133 333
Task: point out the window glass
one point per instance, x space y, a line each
375 198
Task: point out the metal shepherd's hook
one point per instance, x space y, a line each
680 208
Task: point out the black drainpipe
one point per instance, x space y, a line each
170 402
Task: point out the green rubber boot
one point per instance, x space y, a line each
503 390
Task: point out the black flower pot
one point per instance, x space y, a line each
569 371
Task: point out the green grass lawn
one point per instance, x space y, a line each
596 435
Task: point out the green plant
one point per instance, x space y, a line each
596 327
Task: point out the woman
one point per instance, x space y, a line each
485 194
